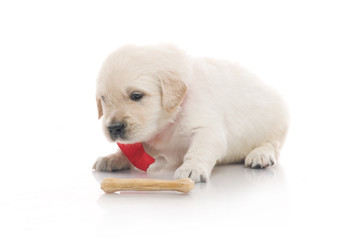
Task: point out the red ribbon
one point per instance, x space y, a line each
137 156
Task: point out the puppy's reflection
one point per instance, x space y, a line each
239 179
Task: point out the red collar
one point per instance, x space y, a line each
136 155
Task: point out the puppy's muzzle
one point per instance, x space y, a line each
116 130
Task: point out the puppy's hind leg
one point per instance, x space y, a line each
112 162
263 156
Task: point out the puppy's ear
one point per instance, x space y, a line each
173 90
100 109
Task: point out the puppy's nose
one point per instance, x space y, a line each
116 130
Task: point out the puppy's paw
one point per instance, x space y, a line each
260 159
112 162
193 171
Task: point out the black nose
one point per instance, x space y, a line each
116 130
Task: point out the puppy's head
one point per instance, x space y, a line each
139 91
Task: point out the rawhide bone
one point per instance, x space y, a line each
110 185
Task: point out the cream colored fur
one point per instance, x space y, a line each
195 112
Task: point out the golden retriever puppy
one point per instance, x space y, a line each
190 112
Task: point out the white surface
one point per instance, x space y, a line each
50 136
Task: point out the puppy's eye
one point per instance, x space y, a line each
136 96
103 98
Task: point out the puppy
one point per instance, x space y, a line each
190 112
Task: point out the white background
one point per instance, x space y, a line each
50 54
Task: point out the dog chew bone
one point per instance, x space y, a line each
110 185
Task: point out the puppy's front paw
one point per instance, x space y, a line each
193 171
112 162
260 159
